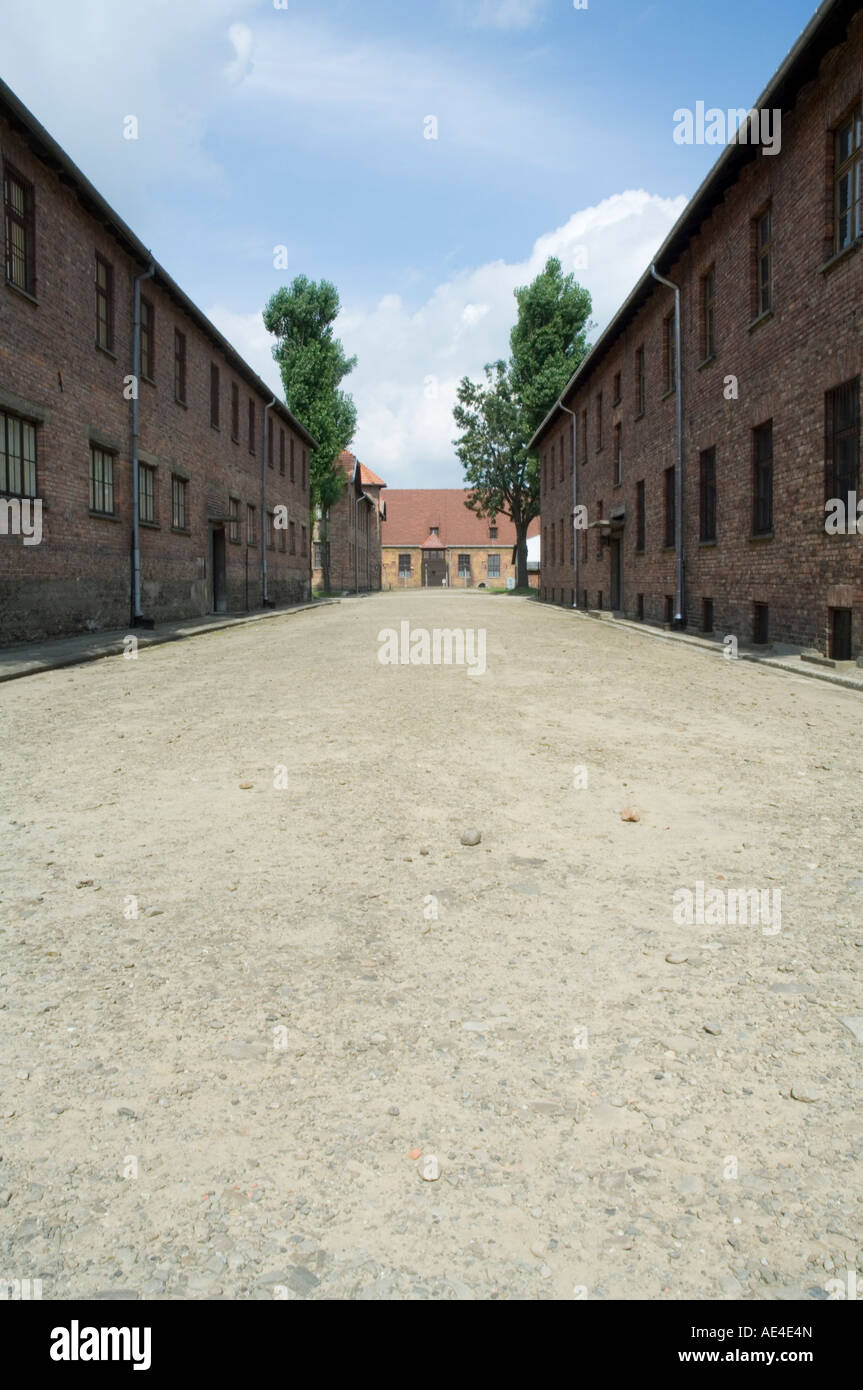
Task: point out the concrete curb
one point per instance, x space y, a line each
711 649
113 646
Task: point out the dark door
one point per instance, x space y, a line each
434 569
219 571
840 635
616 574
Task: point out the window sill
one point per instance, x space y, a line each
840 256
214 426
149 380
762 318
180 531
233 542
150 525
707 545
761 536
25 294
640 416
669 549
104 516
106 352
706 362
640 550
670 392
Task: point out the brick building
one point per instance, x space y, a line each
767 262
430 539
353 532
223 469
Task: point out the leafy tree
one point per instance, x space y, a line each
497 419
548 342
492 451
313 365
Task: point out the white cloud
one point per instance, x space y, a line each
411 360
240 36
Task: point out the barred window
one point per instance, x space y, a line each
147 339
464 566
670 353
708 314
19 225
292 534
234 520
282 453
179 494
764 263
848 181
179 366
640 518
707 495
762 522
104 303
842 422
404 567
251 426
146 492
670 508
17 456
493 567
250 525
101 480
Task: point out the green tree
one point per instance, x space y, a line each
548 342
313 365
491 447
498 419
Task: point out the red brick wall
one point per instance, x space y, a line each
350 569
784 366
51 370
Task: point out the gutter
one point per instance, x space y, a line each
679 598
137 619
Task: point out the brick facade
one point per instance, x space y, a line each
430 537
354 533
200 450
785 360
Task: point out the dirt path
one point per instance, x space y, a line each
220 1096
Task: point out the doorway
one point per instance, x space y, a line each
616 574
434 569
840 634
218 570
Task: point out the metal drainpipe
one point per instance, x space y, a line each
574 505
679 599
265 595
136 425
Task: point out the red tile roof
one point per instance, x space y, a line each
412 512
348 462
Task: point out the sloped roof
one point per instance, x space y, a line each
348 462
412 512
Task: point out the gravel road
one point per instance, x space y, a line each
270 1030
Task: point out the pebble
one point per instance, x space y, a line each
805 1093
471 837
712 1028
677 957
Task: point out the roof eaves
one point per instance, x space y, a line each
54 156
831 19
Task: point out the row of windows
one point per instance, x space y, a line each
492 563
18 477
20 262
841 478
847 230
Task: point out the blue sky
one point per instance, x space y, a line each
304 127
